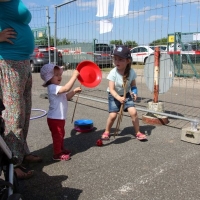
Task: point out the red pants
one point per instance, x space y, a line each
57 128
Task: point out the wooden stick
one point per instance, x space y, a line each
119 119
75 106
120 114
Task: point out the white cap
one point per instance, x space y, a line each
47 72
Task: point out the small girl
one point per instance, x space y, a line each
58 96
122 74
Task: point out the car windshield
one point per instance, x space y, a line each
191 47
103 48
152 47
163 48
196 47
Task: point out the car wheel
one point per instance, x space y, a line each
60 63
32 67
184 59
72 65
145 60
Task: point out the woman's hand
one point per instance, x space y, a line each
6 34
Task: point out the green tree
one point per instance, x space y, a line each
41 40
159 42
116 42
128 43
131 44
52 41
63 42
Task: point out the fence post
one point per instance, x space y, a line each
55 34
156 73
155 105
48 32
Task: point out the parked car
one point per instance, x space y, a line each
140 54
162 47
75 53
104 58
112 47
40 56
188 53
172 47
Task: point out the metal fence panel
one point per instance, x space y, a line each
146 22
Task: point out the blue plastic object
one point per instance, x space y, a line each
134 90
83 122
83 125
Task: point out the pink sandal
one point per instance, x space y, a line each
141 136
61 157
105 136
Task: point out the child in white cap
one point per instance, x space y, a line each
122 73
57 113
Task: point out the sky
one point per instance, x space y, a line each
146 21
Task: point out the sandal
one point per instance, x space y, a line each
141 136
105 136
22 173
31 158
61 157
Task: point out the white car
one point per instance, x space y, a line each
140 54
172 47
162 47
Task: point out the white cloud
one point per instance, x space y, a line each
32 4
156 17
86 4
188 1
133 14
159 6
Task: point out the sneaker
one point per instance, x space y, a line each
61 157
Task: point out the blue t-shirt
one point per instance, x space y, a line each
118 80
14 14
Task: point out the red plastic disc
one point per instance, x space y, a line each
90 74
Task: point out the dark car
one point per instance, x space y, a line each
103 55
40 57
188 53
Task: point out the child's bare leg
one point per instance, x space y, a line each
134 117
109 124
133 113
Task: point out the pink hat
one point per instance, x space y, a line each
47 72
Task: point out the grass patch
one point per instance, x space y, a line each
137 66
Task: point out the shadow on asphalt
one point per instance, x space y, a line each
48 187
45 187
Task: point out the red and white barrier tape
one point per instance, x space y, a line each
67 52
182 52
70 52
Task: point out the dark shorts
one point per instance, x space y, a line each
114 105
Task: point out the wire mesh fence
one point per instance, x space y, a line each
90 30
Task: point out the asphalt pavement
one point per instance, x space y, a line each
124 168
